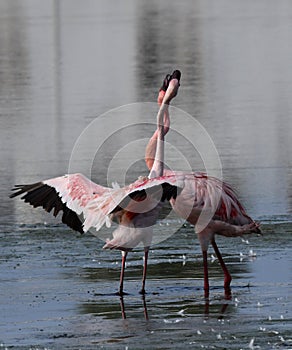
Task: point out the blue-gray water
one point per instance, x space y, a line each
64 63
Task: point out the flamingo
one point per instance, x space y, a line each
135 207
204 194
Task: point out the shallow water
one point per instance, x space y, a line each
62 66
58 292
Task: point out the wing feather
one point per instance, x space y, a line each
161 188
69 193
75 195
203 192
42 195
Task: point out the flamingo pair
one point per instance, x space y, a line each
136 207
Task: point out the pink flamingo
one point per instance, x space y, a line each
135 207
202 193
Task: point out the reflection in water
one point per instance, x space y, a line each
58 72
67 285
145 311
123 311
138 306
64 63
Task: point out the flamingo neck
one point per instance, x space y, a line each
152 144
158 164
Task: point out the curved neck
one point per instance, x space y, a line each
155 146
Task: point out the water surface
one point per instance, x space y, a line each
63 64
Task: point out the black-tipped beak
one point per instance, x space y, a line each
173 87
165 83
176 75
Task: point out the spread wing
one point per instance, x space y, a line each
68 194
82 200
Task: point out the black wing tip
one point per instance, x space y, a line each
42 195
20 189
71 219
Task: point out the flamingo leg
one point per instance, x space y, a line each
227 276
124 257
146 252
206 277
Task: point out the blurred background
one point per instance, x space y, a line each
63 63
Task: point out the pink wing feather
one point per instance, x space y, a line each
100 207
76 190
69 194
203 192
76 195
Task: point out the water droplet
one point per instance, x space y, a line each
170 321
250 345
181 312
252 253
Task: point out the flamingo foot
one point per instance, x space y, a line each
249 228
142 291
121 293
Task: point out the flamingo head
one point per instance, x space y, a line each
173 87
163 88
169 87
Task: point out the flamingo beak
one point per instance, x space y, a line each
172 88
163 88
165 82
